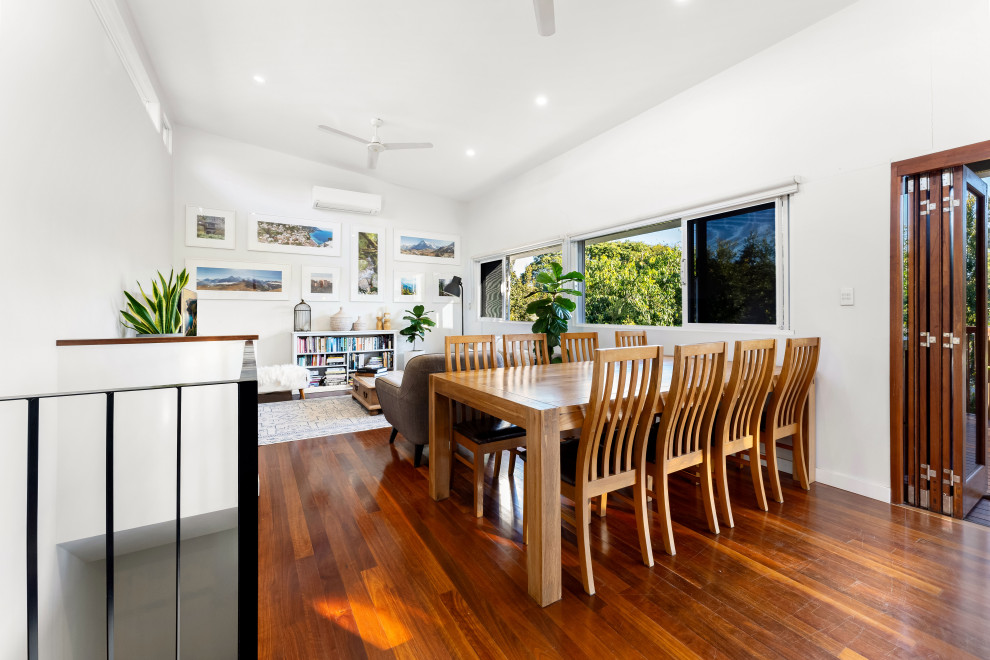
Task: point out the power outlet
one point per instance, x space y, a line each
847 296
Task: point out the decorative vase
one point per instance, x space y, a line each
360 324
378 323
386 321
340 321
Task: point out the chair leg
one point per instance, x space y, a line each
722 486
602 504
418 456
498 466
756 469
798 459
525 510
479 483
582 511
302 393
512 463
643 521
663 501
770 449
707 494
391 438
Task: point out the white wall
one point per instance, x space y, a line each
86 188
217 172
880 81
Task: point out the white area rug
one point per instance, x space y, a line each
284 421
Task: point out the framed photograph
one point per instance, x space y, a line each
188 307
236 280
427 247
409 287
210 228
367 273
267 233
320 283
438 295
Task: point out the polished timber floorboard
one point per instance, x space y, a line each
356 561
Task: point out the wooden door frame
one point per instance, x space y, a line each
949 158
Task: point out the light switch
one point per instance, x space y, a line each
847 296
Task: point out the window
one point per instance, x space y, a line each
732 267
724 264
491 282
634 277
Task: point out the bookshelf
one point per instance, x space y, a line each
332 358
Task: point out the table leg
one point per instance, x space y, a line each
543 506
440 454
808 433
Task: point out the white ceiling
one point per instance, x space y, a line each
459 73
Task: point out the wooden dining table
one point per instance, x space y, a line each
543 400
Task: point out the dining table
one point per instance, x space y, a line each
544 400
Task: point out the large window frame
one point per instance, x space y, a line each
573 255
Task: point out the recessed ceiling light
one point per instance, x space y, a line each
259 79
541 100
469 153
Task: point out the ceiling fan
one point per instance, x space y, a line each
375 146
544 17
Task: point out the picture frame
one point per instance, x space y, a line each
210 228
426 247
409 286
320 283
437 294
238 280
269 233
367 263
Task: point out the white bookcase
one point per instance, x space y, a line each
340 354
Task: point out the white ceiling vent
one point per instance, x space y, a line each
331 199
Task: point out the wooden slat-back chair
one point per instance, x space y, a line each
611 452
525 349
737 427
684 433
786 410
630 338
479 433
578 346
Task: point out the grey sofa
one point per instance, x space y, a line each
404 397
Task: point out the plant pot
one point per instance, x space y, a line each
408 355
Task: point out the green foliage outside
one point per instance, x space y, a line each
632 283
744 282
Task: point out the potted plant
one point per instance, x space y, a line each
553 307
159 314
419 324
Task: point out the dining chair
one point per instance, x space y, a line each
479 433
630 337
683 437
786 410
525 349
611 452
578 346
737 426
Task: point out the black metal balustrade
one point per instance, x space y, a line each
247 504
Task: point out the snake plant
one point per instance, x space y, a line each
158 314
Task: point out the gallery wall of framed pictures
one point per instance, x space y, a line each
365 262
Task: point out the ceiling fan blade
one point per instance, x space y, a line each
544 17
372 159
330 129
408 145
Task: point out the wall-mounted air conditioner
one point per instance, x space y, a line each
331 199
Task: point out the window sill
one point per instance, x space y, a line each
694 328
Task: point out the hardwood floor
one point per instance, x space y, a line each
357 561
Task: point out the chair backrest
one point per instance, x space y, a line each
786 407
630 337
469 352
689 410
525 349
578 346
746 392
625 392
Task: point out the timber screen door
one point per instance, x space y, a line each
944 260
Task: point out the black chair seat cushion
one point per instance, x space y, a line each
488 429
568 460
